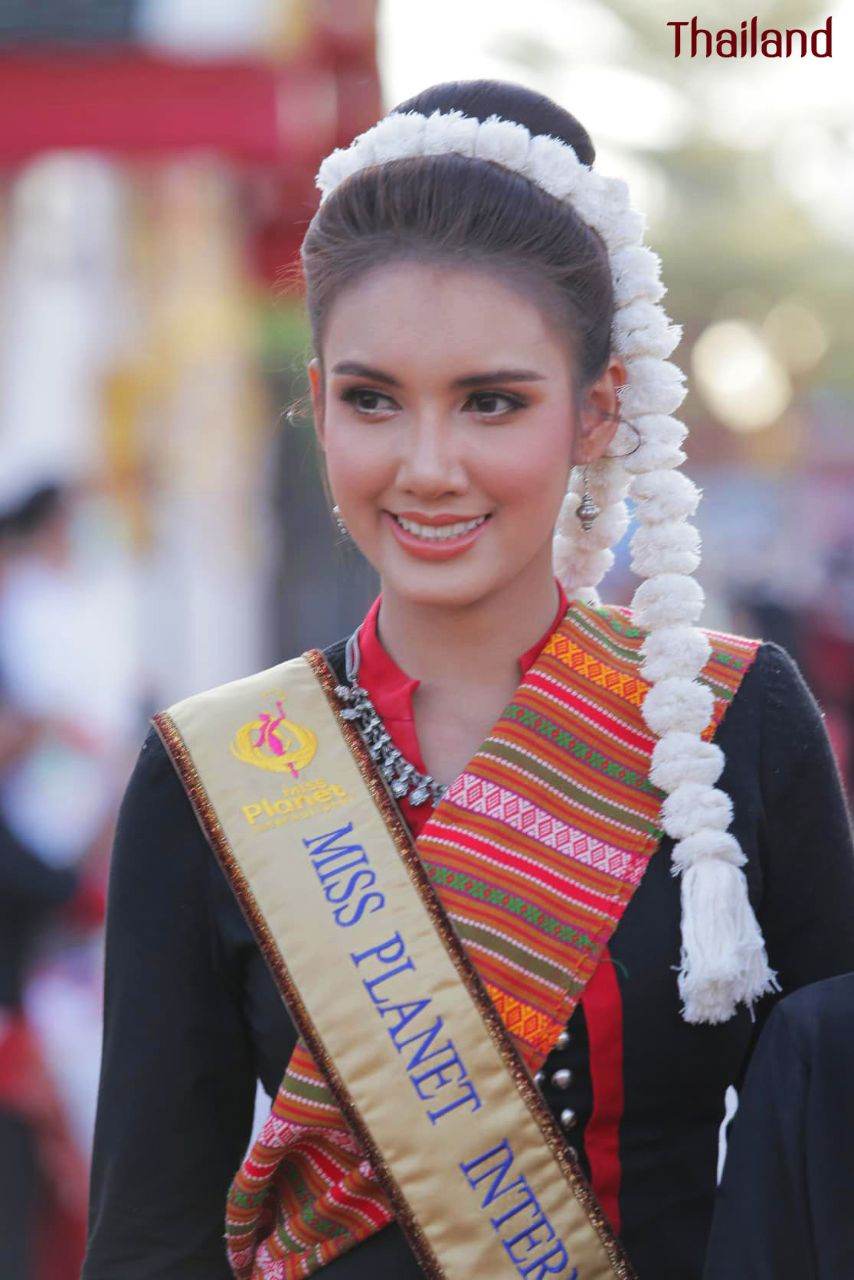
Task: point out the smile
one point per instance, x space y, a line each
439 532
439 540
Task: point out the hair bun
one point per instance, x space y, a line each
514 102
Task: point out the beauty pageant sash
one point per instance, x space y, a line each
405 969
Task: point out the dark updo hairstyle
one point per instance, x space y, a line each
454 209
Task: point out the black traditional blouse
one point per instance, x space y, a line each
192 1016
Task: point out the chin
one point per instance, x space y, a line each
441 584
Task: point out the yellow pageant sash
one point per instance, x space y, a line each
379 985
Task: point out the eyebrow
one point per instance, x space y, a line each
359 370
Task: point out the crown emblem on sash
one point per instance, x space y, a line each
274 742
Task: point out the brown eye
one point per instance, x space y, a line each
366 400
494 404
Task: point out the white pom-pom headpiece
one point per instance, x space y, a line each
723 960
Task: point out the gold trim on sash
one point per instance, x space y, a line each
380 986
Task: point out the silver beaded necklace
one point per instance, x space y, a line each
401 775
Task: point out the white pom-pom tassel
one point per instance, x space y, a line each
588 198
563 550
679 757
660 428
567 520
668 599
723 960
641 327
336 168
398 135
673 546
449 131
606 480
652 455
704 845
503 142
694 806
636 271
617 222
664 495
653 386
678 703
577 566
680 650
553 166
590 566
607 529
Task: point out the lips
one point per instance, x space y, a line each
435 537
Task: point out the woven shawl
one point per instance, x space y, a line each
534 851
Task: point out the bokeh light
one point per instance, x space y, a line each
742 381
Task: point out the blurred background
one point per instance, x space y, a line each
162 522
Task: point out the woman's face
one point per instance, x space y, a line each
445 409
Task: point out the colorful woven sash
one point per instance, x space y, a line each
535 852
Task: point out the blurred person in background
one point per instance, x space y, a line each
817 631
829 651
489 383
784 1207
43 1175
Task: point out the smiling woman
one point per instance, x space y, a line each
509 813
451 400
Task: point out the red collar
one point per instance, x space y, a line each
391 689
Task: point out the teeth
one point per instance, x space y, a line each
438 533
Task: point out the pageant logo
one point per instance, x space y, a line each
293 802
749 41
274 742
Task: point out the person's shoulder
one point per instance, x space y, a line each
158 840
827 999
756 681
727 650
154 792
235 689
158 764
820 1013
152 762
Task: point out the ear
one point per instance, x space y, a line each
599 414
315 379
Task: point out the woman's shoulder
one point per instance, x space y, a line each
234 707
159 849
758 682
259 678
672 650
154 791
626 622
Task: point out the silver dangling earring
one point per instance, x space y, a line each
587 511
342 528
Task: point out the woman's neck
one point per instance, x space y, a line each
471 643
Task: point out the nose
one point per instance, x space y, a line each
431 461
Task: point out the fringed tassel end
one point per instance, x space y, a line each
724 961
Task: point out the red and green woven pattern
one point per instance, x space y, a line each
545 836
535 852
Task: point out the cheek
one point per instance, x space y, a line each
530 469
357 461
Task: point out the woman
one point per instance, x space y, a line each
489 382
